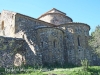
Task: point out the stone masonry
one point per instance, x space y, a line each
53 37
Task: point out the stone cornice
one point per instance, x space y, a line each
75 23
51 27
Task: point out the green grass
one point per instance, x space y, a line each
76 71
92 70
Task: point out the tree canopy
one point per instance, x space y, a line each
94 41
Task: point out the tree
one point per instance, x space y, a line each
94 41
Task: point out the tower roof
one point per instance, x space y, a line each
54 10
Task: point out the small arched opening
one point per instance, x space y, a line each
2 25
54 43
78 40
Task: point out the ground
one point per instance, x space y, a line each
92 70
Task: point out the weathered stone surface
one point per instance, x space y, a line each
76 39
50 41
32 41
7 23
9 47
55 17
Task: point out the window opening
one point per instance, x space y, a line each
78 39
42 44
2 25
54 43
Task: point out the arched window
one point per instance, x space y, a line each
41 44
54 43
78 40
86 42
2 25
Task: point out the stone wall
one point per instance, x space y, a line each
55 18
37 42
76 41
50 41
7 26
27 24
12 52
25 27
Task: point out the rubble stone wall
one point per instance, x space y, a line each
7 26
50 41
12 52
55 18
32 41
25 27
76 41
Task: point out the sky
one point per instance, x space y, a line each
85 11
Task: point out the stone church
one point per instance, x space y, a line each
53 37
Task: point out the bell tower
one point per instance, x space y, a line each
55 17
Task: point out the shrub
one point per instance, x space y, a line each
85 64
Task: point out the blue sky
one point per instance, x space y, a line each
86 11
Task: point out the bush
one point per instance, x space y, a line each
85 64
